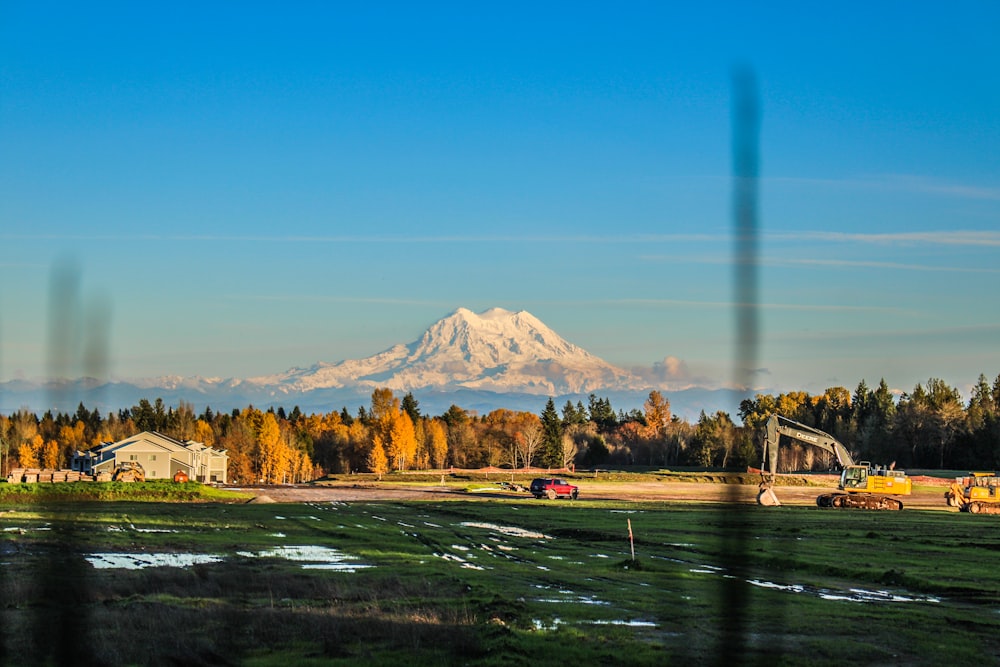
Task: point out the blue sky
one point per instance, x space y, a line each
248 187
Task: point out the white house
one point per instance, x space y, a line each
160 456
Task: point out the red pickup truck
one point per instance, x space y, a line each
553 488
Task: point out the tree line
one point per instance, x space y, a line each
930 427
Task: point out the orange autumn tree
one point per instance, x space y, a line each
392 430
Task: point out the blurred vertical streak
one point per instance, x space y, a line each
745 136
61 630
4 449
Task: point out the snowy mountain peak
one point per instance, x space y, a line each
496 350
494 337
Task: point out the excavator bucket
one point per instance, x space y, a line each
767 498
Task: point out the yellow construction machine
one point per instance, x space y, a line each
862 485
128 471
979 493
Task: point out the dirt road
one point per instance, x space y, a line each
927 494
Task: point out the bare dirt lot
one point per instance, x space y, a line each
928 493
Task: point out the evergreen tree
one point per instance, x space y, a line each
602 414
571 416
552 432
409 406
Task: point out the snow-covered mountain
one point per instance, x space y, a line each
494 359
497 351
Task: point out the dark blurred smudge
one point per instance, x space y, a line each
77 342
745 139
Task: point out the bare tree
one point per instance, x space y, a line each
528 439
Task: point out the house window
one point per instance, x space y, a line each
152 457
133 457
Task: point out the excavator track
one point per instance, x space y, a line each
864 501
976 507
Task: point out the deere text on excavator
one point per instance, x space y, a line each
862 485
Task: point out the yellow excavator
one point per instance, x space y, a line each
862 485
979 493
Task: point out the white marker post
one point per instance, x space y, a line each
631 540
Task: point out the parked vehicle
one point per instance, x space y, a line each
553 488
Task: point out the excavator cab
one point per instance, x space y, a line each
854 477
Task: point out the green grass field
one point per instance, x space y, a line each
493 582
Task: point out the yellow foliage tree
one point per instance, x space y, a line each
378 463
435 442
28 451
203 433
50 455
304 468
270 457
402 445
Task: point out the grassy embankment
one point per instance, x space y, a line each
152 491
455 583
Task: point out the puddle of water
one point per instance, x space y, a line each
155 530
851 595
861 595
510 531
461 561
313 557
631 624
580 599
541 626
138 561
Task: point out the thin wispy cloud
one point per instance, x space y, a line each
943 238
763 306
897 183
853 264
325 298
988 239
826 263
367 239
946 333
329 298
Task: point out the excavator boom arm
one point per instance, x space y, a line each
778 426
